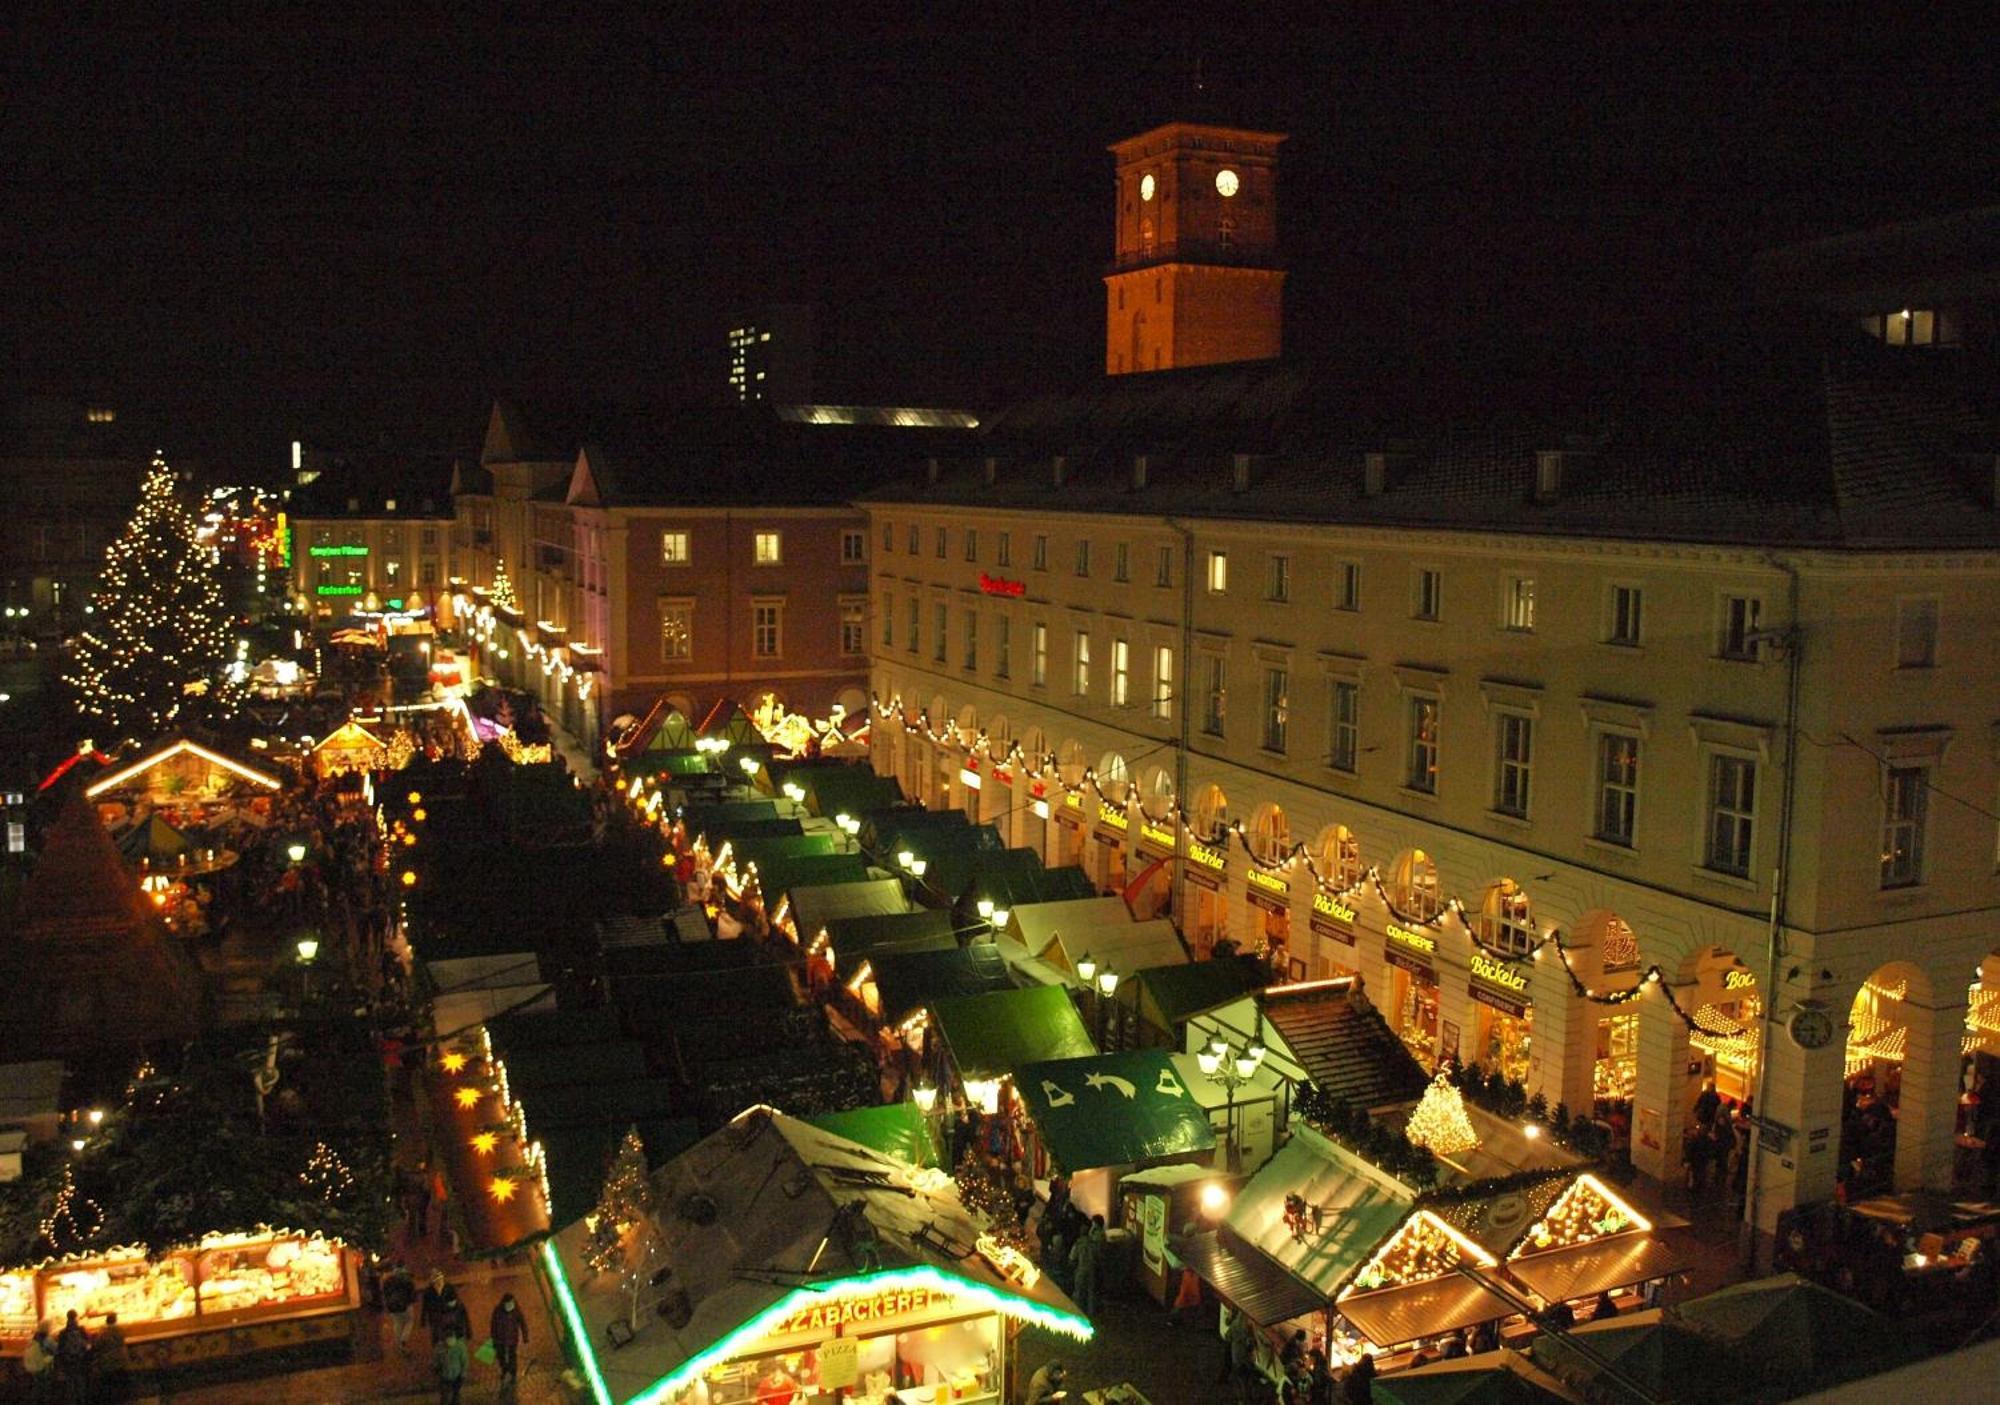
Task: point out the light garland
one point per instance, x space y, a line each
66 1209
1426 1246
1586 1211
326 1173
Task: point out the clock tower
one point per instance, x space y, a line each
1194 277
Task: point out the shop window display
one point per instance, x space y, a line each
1504 1040
956 1362
1616 1073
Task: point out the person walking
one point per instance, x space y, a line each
109 1363
509 1329
434 1307
1086 1264
449 1358
73 1360
39 1363
399 1301
1358 1386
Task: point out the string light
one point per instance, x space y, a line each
326 1173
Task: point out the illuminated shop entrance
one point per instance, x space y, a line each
1413 990
1503 1015
1728 1020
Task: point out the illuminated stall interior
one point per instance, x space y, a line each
1615 1074
1727 1017
1503 1011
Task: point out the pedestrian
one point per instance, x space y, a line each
449 1359
1086 1264
433 1308
457 1317
1243 1356
1707 1103
1559 1316
1046 1385
1292 1357
1230 1317
399 1300
1603 1310
420 1205
509 1329
1358 1386
1319 1379
108 1362
39 1362
1058 1199
73 1360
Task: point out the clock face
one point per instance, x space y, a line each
1811 1027
1226 183
1146 186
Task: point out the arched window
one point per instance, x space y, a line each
968 725
1034 748
1211 813
1270 834
1113 777
1505 923
1070 764
1157 794
1338 854
999 736
1413 886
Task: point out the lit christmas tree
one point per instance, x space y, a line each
1440 1122
626 1201
158 649
503 590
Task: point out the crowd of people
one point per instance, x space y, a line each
76 1365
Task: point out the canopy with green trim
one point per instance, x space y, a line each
1122 1109
898 1130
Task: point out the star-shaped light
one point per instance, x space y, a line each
468 1098
453 1062
484 1143
502 1189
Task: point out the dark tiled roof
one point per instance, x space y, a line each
418 483
1344 1045
1836 441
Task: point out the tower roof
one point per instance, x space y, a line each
1169 135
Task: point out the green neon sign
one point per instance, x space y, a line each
337 550
339 590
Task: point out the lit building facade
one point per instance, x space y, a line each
373 535
771 356
1615 751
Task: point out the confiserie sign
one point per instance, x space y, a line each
1414 940
999 585
874 1307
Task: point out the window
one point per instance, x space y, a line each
430 573
1041 557
1278 578
1741 615
1003 550
943 538
1277 708
940 624
1914 326
676 632
853 547
1121 673
1163 683
767 630
1121 562
1349 596
1214 695
1617 788
770 548
853 627
1041 661
428 536
888 623
910 631
1905 799
1344 727
1514 765
971 655
1422 771
1916 632
1428 594
1080 680
1506 925
1218 572
1163 567
1732 813
673 548
971 544
1520 604
1083 557
913 539
888 537
1623 625
1003 643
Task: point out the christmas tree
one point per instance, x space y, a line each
503 590
626 1200
157 651
1440 1122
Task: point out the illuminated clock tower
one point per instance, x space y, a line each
1194 278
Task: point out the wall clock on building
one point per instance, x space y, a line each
1811 1027
1146 186
1226 183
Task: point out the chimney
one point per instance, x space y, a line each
1549 466
1139 467
992 467
1059 469
1239 479
1379 471
931 471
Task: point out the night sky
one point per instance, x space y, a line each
361 233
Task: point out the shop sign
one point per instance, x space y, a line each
1111 817
338 590
1508 978
1002 775
839 1363
1415 965
1202 878
1071 813
1156 838
1207 857
1332 918
1000 585
1411 939
869 1307
1738 979
336 551
1498 1000
968 778
1269 882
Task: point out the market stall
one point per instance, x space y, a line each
1102 1115
867 1276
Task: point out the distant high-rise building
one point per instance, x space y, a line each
771 356
1194 277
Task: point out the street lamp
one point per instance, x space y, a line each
925 1096
1086 969
1230 1068
308 949
999 918
296 851
749 764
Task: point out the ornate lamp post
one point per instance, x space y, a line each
1230 1068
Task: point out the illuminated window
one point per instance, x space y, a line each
1732 813
1080 677
1514 763
1218 572
767 630
769 548
102 414
1121 673
1506 924
1277 708
673 548
1344 724
1041 660
676 632
1905 801
1163 683
853 548
1617 788
1421 774
1520 604
1914 326
853 627
1427 596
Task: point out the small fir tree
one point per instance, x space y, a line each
503 590
1439 1121
625 1201
157 651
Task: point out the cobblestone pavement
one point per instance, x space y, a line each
1135 1342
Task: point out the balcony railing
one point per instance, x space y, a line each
1213 251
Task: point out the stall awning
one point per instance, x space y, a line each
856 938
1430 1309
1585 1270
778 876
897 1130
906 981
992 1035
813 907
1122 1109
1247 1280
1184 989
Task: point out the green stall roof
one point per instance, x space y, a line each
785 846
1172 994
906 981
894 1129
721 813
1121 1109
781 876
744 831
884 830
991 1035
855 938
847 790
666 763
821 903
